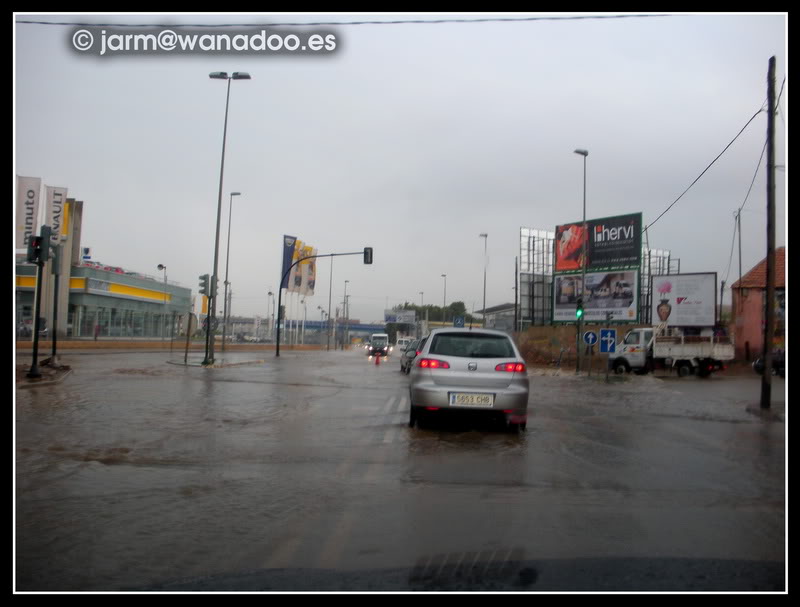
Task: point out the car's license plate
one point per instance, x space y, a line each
469 399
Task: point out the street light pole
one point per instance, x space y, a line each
271 300
227 263
209 359
346 317
444 299
485 240
164 324
584 237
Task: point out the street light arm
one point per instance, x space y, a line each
280 290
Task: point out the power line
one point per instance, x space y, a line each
335 23
706 169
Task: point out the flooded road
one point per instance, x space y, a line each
301 473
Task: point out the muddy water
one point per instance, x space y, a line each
134 472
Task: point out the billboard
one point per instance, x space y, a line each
615 293
685 300
611 243
400 316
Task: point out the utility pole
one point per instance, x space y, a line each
769 328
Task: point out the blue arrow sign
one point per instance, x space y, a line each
458 321
590 337
608 340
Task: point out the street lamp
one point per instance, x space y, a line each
164 324
582 298
421 299
485 240
346 317
209 359
227 262
444 298
271 295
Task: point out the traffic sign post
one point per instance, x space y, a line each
608 344
590 337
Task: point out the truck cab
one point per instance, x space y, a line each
378 345
634 351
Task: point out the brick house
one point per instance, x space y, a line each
749 308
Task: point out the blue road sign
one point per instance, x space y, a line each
590 337
608 340
458 321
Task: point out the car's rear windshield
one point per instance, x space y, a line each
472 345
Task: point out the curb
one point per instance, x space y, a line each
218 365
33 383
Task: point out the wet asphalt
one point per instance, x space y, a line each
301 473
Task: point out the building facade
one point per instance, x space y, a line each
750 304
104 303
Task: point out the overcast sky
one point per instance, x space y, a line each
410 138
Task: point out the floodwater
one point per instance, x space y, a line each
301 473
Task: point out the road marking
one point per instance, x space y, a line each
388 406
282 556
330 554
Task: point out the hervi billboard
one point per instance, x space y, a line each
611 243
685 300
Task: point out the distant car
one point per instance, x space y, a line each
402 343
476 370
407 355
778 364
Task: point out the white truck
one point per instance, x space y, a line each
651 348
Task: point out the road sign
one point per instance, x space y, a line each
590 337
458 321
608 340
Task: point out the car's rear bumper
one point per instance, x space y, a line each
511 400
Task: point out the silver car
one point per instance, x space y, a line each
469 370
407 356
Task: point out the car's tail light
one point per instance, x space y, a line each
511 367
432 363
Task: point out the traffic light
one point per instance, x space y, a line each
367 255
579 309
39 246
34 248
205 286
213 286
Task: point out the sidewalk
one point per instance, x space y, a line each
49 374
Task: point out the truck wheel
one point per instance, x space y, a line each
620 367
685 370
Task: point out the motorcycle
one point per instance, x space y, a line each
778 364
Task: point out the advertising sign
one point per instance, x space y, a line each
685 300
295 276
27 209
400 316
288 252
611 243
614 293
56 199
308 270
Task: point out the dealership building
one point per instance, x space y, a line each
83 299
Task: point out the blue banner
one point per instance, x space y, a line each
288 253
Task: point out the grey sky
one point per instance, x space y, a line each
412 139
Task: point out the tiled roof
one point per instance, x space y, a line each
757 277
